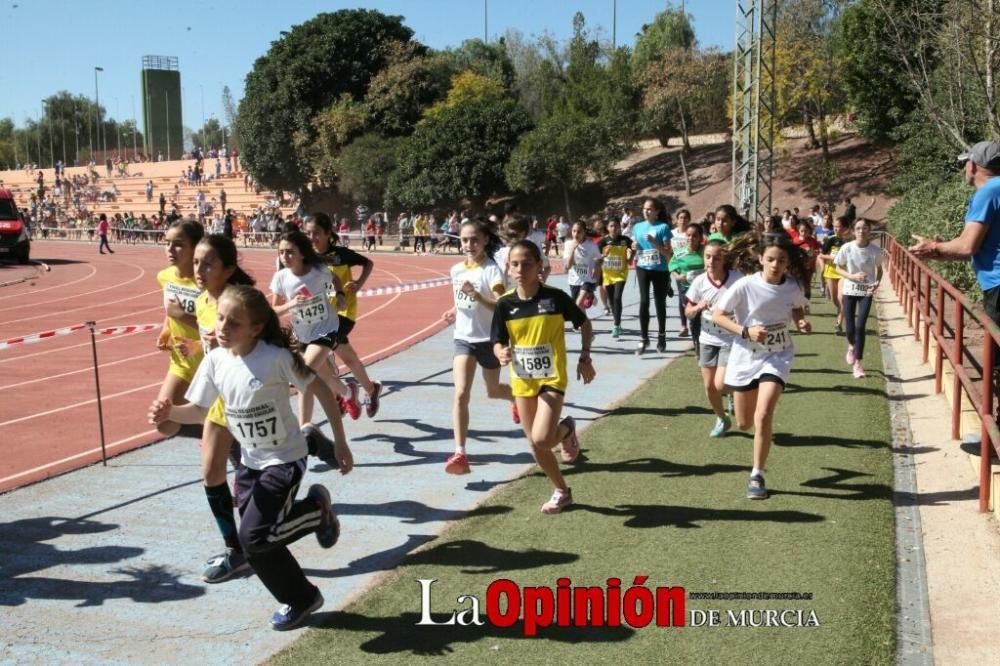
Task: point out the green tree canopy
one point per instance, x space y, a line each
458 153
304 72
363 167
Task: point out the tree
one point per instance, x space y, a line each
468 87
230 110
304 72
671 28
538 70
489 60
363 167
457 154
209 136
399 94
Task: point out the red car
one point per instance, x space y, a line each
15 240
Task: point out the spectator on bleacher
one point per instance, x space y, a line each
236 159
200 202
149 191
218 169
222 198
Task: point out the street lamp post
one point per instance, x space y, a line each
97 102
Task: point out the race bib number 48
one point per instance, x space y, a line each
186 296
256 426
534 362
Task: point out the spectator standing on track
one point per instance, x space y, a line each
102 233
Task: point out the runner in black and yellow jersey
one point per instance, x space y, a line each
528 335
179 325
617 252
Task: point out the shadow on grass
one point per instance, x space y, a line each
413 513
665 468
848 389
645 516
400 634
660 411
847 491
787 439
476 557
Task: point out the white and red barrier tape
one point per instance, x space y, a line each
142 328
111 330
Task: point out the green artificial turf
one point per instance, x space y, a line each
655 496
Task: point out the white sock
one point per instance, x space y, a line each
460 449
756 472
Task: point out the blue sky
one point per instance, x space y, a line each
53 45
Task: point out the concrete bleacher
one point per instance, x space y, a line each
132 196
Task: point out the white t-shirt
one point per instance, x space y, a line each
585 258
562 230
703 289
473 319
254 389
501 260
315 318
755 302
856 259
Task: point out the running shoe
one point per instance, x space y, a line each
570 444
616 332
514 414
849 356
641 349
661 346
607 312
684 332
458 463
859 372
756 490
328 531
320 445
351 403
838 329
286 617
224 566
721 427
371 406
560 499
342 404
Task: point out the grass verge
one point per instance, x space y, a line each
655 496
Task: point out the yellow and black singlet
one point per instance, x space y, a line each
615 251
534 330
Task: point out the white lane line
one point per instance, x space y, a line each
108 447
79 404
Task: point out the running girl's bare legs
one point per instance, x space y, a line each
540 421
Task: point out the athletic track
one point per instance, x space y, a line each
48 408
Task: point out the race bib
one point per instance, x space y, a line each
613 262
315 310
463 301
581 270
852 288
534 362
648 258
186 296
778 339
257 425
709 326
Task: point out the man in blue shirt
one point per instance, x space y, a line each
980 238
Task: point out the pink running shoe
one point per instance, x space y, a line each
458 463
859 372
849 356
351 403
560 499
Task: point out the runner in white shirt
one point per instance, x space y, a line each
758 309
713 342
250 371
301 288
582 259
860 263
476 282
514 228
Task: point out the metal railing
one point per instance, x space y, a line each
935 308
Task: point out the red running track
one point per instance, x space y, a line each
48 408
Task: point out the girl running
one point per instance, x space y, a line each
616 251
714 342
728 224
831 278
477 284
685 268
251 371
860 264
180 327
582 260
810 246
215 267
527 335
301 288
341 261
757 310
651 246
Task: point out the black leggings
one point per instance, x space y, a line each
616 293
856 309
661 288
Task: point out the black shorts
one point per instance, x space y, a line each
481 351
755 384
345 328
330 341
589 287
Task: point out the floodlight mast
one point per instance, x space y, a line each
754 107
